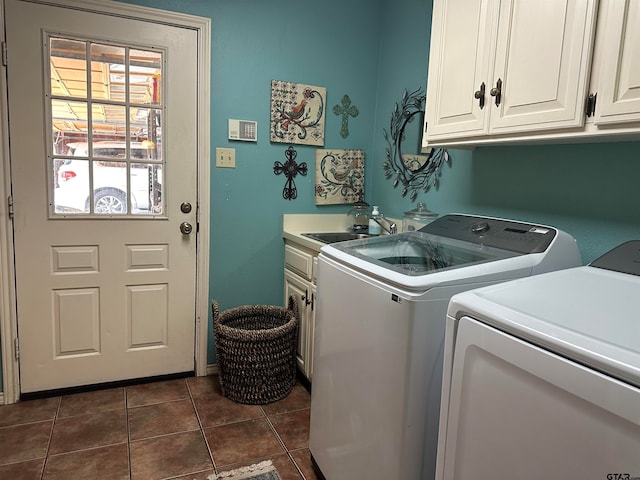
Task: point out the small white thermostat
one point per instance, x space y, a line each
245 130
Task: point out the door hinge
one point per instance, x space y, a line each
16 348
10 206
4 54
590 105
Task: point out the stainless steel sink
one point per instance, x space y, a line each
334 237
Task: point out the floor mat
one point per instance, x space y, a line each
258 471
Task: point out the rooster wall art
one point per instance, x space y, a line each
297 113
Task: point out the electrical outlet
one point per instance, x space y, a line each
226 157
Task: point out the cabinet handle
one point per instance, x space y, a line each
479 95
497 92
590 107
312 300
306 298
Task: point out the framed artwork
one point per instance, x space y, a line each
339 176
297 113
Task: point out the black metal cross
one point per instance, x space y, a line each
290 170
346 110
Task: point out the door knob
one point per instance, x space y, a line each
186 228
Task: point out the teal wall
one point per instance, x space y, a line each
372 51
332 44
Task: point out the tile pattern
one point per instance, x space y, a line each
178 429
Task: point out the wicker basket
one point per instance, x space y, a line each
256 351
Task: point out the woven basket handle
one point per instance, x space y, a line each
215 308
293 305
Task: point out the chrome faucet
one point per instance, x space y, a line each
393 228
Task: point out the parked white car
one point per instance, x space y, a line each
109 180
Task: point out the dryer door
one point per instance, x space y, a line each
518 411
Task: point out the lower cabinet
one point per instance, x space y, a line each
299 282
304 292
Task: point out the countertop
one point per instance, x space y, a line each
294 225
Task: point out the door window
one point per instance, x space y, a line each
105 108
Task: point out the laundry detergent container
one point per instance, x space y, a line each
256 351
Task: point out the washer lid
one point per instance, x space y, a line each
588 314
457 249
450 242
416 253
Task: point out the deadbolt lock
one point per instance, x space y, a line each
185 207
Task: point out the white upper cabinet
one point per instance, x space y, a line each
460 59
521 70
618 89
542 59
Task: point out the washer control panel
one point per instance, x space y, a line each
505 234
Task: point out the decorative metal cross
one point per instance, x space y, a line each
290 170
346 110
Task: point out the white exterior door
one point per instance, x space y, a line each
103 134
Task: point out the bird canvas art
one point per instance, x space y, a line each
339 176
297 113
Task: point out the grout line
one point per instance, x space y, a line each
296 463
162 435
126 414
273 429
201 427
53 425
287 451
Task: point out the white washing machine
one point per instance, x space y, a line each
542 376
379 335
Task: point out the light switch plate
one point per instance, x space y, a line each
226 157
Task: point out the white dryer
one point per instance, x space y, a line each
379 334
542 376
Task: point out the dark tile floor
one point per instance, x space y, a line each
175 429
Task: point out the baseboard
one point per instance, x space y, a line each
102 386
212 369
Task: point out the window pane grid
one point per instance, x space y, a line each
106 123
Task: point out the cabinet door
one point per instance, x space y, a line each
543 56
619 86
459 62
300 289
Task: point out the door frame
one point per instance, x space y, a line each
8 313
